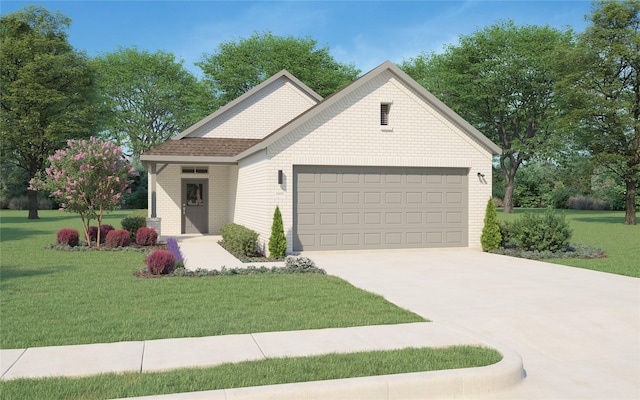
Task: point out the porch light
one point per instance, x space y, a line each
280 177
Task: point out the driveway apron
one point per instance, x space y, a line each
578 331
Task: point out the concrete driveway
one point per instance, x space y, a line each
578 331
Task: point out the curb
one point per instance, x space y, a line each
446 384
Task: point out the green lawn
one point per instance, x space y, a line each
601 229
50 297
251 373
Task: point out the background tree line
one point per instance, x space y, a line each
564 106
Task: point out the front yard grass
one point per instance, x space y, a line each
604 230
251 373
50 298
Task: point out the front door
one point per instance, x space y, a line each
195 206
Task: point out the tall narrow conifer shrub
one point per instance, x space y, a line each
277 241
491 237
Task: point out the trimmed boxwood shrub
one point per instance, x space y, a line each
546 232
117 238
132 223
160 262
68 237
239 239
146 236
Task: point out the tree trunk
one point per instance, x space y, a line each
509 178
630 214
33 204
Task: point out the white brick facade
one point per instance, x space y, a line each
259 115
344 130
349 134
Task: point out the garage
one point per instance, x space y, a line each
344 208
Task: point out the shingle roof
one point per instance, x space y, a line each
202 147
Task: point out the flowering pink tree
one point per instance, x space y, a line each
88 178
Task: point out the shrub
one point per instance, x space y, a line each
117 238
586 203
146 236
22 203
505 233
104 231
93 233
174 248
277 241
132 223
160 262
239 239
547 232
490 238
560 196
301 265
68 237
498 202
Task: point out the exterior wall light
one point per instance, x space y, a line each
280 177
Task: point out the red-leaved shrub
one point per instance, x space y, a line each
160 262
146 236
93 233
67 236
117 238
104 231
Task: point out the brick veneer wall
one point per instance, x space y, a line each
349 133
260 114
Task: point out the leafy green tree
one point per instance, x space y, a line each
147 98
88 178
277 241
47 91
236 67
491 237
500 79
601 91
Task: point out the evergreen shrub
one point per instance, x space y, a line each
146 236
239 239
68 237
117 238
490 238
160 262
132 223
546 232
277 241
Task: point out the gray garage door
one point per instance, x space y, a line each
379 207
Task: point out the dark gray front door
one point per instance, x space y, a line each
195 206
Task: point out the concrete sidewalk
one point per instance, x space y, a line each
167 354
205 252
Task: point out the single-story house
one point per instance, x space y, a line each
379 164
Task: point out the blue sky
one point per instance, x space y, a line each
365 33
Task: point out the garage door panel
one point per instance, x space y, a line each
379 207
372 218
372 239
350 218
372 197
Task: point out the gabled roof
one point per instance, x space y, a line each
233 150
355 85
229 106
